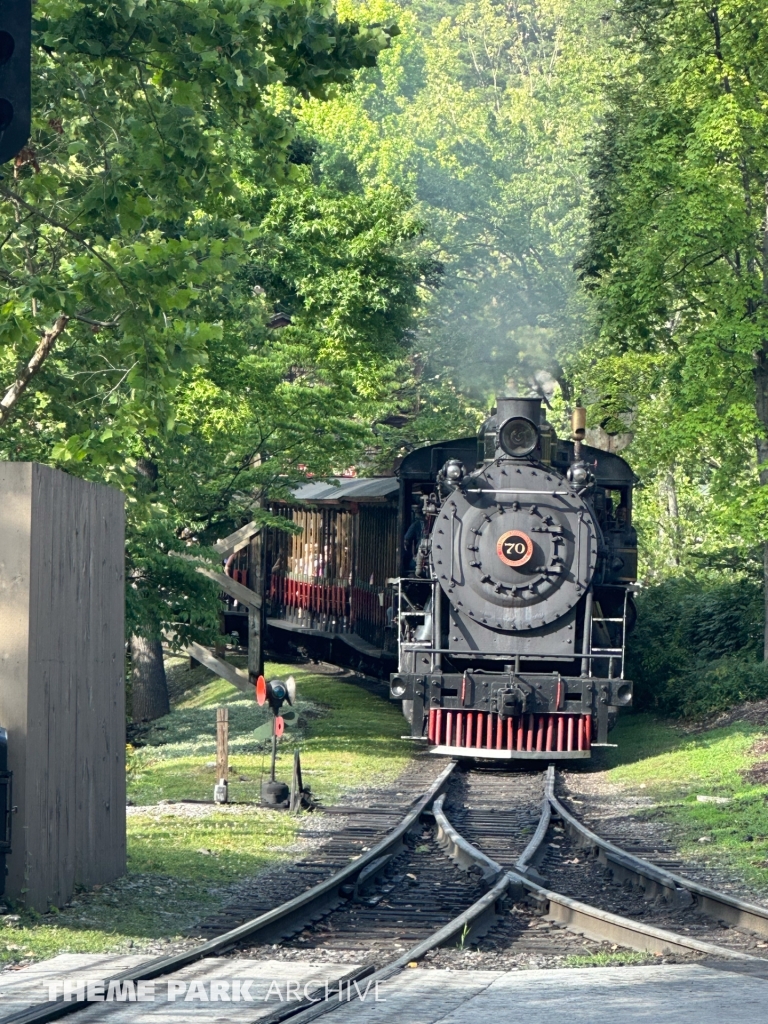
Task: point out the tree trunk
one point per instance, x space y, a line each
761 408
149 687
674 515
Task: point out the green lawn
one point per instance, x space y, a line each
180 868
674 767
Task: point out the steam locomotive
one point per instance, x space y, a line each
515 605
491 578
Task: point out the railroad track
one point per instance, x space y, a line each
358 826
589 884
516 857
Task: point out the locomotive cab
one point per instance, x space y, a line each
514 596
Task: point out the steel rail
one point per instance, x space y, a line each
530 854
603 925
676 888
575 915
581 917
285 919
472 922
460 850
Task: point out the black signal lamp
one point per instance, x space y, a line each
275 692
15 76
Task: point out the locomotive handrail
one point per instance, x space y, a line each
416 645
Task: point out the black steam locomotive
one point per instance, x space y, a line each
514 597
494 573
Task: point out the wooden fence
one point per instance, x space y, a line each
62 694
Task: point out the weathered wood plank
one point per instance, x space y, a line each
236 541
61 605
240 593
256 575
222 743
221 668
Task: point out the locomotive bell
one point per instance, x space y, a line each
579 423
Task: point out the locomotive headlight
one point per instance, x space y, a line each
621 693
398 686
518 436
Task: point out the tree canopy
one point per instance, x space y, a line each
160 216
251 240
480 109
677 263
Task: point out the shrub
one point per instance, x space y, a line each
697 646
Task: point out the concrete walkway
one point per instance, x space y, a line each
664 994
673 994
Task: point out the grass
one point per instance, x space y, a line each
347 737
181 867
674 767
608 959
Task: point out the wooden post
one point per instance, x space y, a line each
222 744
256 616
297 785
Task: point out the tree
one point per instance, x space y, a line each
161 133
122 220
480 109
677 258
270 407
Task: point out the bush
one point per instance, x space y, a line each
697 647
718 687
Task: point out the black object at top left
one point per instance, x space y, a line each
15 77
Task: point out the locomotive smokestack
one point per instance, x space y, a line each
530 408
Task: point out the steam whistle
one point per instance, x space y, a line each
275 692
578 472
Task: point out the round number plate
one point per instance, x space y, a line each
514 548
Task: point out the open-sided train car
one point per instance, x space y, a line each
328 585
